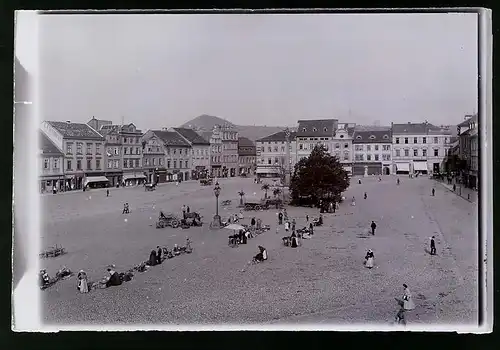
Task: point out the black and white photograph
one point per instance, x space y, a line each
238 170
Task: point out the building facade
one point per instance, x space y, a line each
133 173
200 152
246 156
313 132
153 160
419 147
113 155
469 150
271 154
177 154
229 137
51 165
83 149
372 152
342 147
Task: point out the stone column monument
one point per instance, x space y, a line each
287 157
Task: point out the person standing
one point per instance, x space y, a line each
366 195
158 255
280 218
369 259
252 223
294 223
184 211
398 181
433 192
433 246
454 187
287 226
334 207
373 227
408 303
107 193
187 209
307 218
311 229
353 201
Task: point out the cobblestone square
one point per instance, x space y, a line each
321 281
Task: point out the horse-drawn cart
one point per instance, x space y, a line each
257 205
206 182
52 252
168 220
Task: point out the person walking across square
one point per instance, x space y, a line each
373 226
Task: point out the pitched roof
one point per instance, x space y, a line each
171 138
318 127
418 129
245 142
76 130
470 118
47 147
278 136
373 136
192 136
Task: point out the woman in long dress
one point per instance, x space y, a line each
369 259
408 303
294 240
82 284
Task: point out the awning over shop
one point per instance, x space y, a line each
90 179
267 171
419 166
403 166
133 176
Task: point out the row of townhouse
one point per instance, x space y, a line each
76 155
396 149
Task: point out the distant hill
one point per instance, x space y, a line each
253 132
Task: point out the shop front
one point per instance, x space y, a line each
420 167
134 179
115 178
365 168
402 168
216 171
95 182
48 183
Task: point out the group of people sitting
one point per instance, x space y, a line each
45 280
157 256
240 238
261 256
126 209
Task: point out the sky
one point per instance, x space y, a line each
163 70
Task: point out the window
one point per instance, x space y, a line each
117 164
68 165
358 137
314 129
346 155
435 140
436 152
175 164
398 153
137 162
117 152
397 139
69 148
269 161
372 137
325 129
346 145
283 149
337 145
56 163
358 148
446 140
263 149
341 136
79 164
304 129
269 149
79 148
89 148
407 152
175 150
131 163
368 157
406 140
125 163
386 137
97 148
376 147
359 157
424 152
368 147
415 140
45 163
415 152
98 164
124 140
300 146
275 148
376 156
186 164
110 164
125 150
89 164
424 139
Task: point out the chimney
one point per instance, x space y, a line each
68 121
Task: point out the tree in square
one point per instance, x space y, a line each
318 177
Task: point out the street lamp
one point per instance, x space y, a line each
217 221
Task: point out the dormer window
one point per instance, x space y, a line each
358 137
341 136
386 137
314 129
304 129
325 129
372 137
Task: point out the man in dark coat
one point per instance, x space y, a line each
433 191
114 278
373 226
152 258
158 254
433 246
280 218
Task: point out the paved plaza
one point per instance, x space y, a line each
323 280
